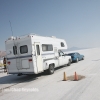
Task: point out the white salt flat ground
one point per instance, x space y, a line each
51 87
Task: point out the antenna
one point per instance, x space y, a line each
11 27
15 49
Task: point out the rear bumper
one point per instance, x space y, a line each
21 73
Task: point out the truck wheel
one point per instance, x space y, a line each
69 63
51 69
83 58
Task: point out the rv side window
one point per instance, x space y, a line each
38 49
47 47
14 50
62 44
23 49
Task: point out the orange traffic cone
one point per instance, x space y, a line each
76 77
65 78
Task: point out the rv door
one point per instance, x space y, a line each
39 62
61 58
17 56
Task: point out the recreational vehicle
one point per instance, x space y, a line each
33 54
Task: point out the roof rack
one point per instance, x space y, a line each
23 36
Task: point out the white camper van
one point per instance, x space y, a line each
32 54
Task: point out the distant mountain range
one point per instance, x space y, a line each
75 48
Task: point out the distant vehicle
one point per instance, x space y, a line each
33 54
76 56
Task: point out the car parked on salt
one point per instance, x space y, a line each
76 56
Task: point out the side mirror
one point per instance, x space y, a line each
66 54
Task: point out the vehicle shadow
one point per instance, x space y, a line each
61 67
96 60
15 79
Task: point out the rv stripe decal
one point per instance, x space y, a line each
19 57
49 59
48 54
30 56
26 56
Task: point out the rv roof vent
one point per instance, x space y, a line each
53 36
11 38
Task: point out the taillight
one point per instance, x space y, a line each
8 62
30 59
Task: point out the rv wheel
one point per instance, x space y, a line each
51 69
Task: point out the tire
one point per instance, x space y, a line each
51 69
77 60
83 58
69 63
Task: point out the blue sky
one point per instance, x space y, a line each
76 21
